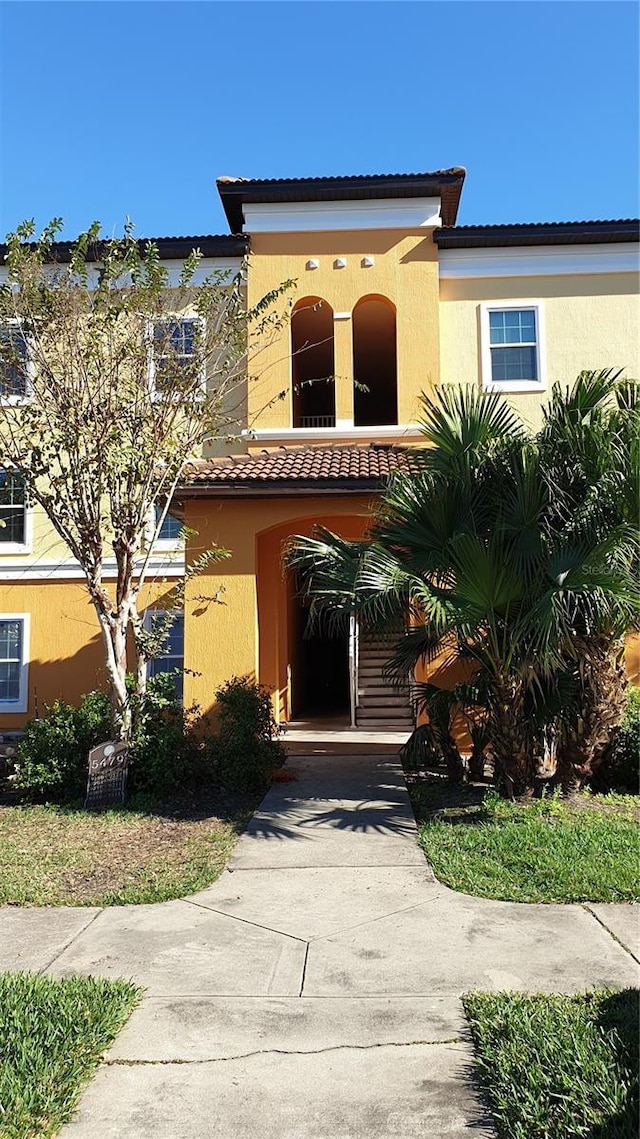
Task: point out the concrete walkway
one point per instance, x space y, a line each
313 991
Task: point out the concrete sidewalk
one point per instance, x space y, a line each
313 991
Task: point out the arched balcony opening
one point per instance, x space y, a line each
313 367
374 363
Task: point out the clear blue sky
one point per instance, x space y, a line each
113 108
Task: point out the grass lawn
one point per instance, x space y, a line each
52 1035
557 1067
583 850
59 856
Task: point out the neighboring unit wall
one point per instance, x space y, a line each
590 321
64 656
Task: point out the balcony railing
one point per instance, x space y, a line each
316 421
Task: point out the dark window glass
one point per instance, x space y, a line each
13 362
10 660
171 528
12 508
171 658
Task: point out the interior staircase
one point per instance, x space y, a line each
380 703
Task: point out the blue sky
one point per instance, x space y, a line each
111 108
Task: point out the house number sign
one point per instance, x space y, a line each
108 770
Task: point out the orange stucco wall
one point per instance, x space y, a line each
404 270
236 612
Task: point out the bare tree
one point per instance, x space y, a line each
113 376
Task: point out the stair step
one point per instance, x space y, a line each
387 725
386 714
383 698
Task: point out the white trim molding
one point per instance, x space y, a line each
539 261
227 267
70 570
317 217
403 432
488 384
21 704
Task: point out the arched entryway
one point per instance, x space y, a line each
308 670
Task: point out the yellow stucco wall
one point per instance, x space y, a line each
404 271
591 321
65 649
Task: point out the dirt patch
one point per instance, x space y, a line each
57 856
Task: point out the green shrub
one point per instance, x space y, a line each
621 770
247 748
52 754
165 754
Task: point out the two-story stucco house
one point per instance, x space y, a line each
392 297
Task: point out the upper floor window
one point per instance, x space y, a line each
13 661
177 355
13 510
511 347
313 368
14 362
375 397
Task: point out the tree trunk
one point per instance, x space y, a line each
511 745
585 744
114 637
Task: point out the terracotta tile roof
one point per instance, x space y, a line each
291 469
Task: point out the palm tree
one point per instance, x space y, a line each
590 448
494 563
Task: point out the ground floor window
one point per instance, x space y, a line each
14 636
171 656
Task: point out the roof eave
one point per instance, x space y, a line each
553 233
282 488
446 184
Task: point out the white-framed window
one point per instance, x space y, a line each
171 656
15 514
14 661
176 346
171 531
16 365
512 341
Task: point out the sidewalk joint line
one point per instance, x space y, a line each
245 921
370 921
304 969
71 940
585 906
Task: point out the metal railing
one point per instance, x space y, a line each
316 421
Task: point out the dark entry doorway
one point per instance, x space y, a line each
319 668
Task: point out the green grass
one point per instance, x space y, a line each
557 1067
548 850
58 856
52 1035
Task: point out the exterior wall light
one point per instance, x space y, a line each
312 264
340 263
367 262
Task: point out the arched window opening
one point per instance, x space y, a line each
312 351
375 397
